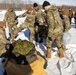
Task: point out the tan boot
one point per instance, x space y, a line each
61 52
48 54
64 47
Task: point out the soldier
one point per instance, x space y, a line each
36 25
43 25
3 40
55 29
29 21
65 20
39 25
75 18
12 23
70 14
38 28
60 12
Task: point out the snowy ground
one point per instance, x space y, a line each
56 66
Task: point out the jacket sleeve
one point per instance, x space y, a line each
50 22
23 15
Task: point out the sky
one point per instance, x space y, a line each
57 2
53 2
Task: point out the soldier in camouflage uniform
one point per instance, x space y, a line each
55 29
43 24
40 26
36 25
29 21
65 20
70 14
10 20
3 40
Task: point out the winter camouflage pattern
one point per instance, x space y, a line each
23 47
28 23
36 25
3 41
55 29
10 18
70 15
11 22
42 27
40 14
66 24
65 12
66 20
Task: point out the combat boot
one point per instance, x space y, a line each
61 52
64 47
48 54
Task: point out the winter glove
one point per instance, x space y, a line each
16 17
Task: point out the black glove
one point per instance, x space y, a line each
9 47
62 17
50 38
16 17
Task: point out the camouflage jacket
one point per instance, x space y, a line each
66 24
10 18
30 19
70 13
65 12
40 17
54 21
65 20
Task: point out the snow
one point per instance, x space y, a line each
56 66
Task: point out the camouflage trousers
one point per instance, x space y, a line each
31 29
55 37
2 37
57 40
32 33
2 48
13 34
3 41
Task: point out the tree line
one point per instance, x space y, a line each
18 4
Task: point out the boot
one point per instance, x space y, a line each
64 47
48 54
61 52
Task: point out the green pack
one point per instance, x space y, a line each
23 47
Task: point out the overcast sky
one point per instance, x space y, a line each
53 2
57 2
